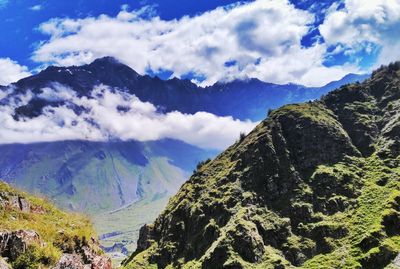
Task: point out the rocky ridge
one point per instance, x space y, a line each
315 185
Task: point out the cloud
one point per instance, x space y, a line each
111 114
261 38
3 3
11 71
36 8
360 25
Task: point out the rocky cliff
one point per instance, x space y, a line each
315 185
34 234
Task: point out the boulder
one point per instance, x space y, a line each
101 262
3 264
96 261
70 261
19 203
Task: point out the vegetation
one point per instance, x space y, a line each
59 231
316 185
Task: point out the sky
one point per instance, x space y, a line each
300 41
305 42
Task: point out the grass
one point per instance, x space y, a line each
363 220
362 176
50 223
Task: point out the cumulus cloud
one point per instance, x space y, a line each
259 39
111 114
359 25
36 8
11 71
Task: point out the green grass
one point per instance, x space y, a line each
48 222
365 219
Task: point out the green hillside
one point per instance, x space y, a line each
315 185
35 234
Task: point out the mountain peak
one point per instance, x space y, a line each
107 60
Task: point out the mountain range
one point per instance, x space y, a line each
105 178
242 99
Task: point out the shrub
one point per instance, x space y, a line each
242 136
27 260
35 256
201 164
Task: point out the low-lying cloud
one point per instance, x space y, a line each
110 114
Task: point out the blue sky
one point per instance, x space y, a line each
20 18
304 41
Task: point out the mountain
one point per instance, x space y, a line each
35 234
315 185
242 99
128 180
97 177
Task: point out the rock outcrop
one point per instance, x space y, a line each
13 244
315 185
15 202
76 261
35 234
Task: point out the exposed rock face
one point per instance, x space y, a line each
314 178
13 244
15 202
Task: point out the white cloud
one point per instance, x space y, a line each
36 7
111 114
362 23
3 3
11 71
262 37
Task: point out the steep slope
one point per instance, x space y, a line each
35 234
315 185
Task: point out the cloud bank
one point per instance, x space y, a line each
261 39
110 114
364 26
11 71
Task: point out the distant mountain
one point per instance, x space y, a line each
315 185
242 99
99 176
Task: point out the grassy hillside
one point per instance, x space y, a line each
315 185
59 232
